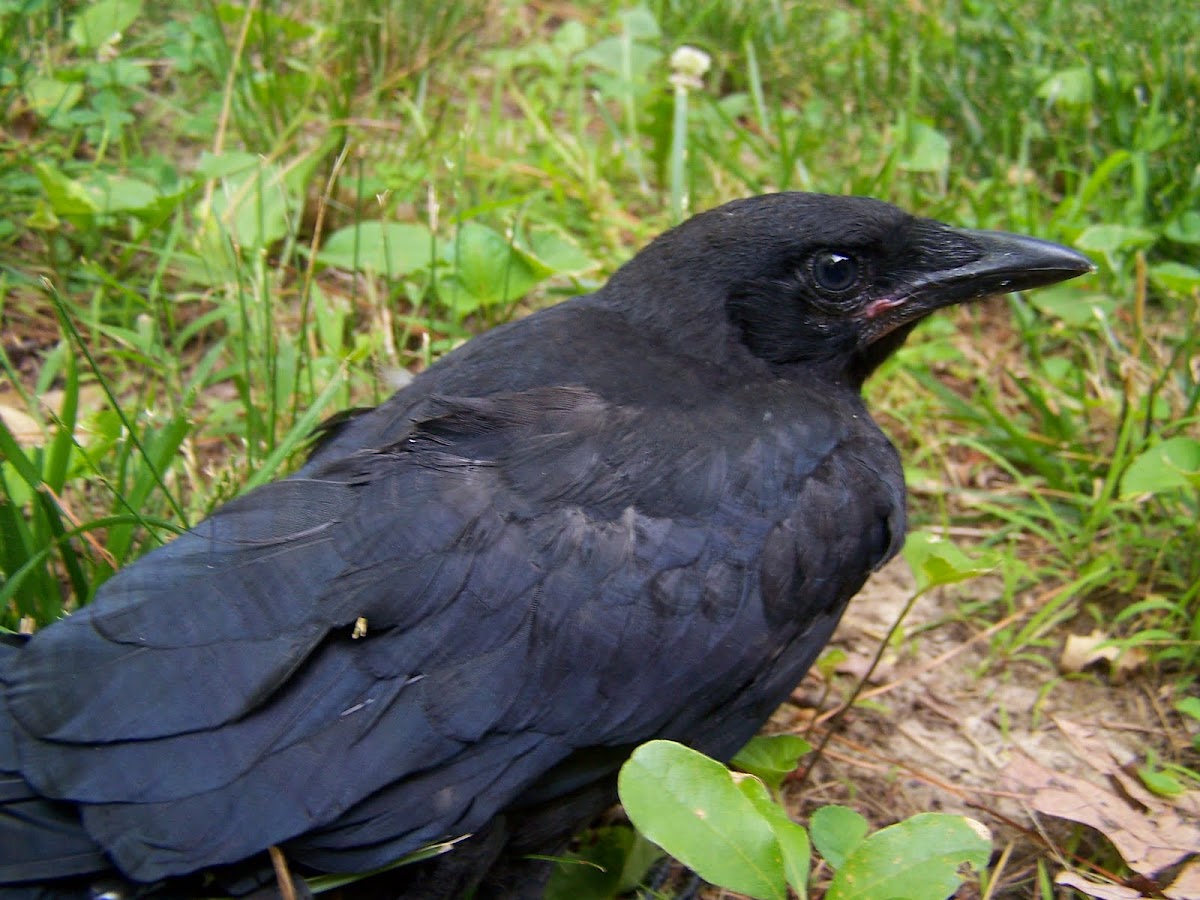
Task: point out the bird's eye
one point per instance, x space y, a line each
834 272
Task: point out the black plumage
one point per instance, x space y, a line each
636 514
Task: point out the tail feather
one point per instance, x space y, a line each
40 839
43 839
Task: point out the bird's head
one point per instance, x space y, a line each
823 281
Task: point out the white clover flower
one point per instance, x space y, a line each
688 66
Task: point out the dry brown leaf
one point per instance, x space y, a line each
1150 839
1082 650
91 396
1089 746
24 427
1104 890
26 430
1127 663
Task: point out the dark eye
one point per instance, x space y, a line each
834 272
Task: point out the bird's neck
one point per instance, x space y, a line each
862 364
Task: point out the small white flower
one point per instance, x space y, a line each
689 65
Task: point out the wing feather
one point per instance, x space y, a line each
531 568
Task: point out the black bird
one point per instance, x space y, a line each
638 514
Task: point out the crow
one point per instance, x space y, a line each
636 514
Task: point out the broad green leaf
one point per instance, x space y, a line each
570 38
1184 228
639 859
641 856
1189 706
792 838
1175 277
253 210
771 757
1162 783
223 165
936 562
102 21
1113 240
836 832
927 149
1167 466
484 270
609 862
67 197
50 97
384 248
639 23
690 806
43 217
830 659
1069 87
610 55
592 871
1072 306
556 251
121 194
101 194
918 859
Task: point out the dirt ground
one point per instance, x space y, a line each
948 726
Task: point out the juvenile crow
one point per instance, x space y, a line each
637 514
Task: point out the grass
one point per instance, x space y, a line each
225 222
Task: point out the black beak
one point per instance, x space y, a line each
1005 263
1010 262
